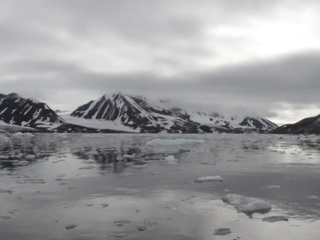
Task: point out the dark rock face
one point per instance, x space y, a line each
305 126
16 110
140 113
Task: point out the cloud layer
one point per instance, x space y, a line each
262 56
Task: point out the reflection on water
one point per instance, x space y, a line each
60 186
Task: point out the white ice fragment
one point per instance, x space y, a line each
270 187
139 166
247 205
170 158
22 163
30 157
129 155
173 142
209 179
121 223
127 175
117 234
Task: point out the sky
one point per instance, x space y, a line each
256 56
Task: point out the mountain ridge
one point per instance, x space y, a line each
139 112
310 125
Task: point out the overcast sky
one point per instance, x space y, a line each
261 56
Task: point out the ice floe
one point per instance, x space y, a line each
273 219
209 179
247 205
121 223
117 234
222 231
173 142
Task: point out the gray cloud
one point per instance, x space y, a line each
68 52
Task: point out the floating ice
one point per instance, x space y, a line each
129 156
149 223
170 158
247 205
117 234
209 179
275 219
222 231
22 163
270 187
142 228
121 223
30 157
73 226
173 142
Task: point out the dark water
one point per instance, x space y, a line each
59 186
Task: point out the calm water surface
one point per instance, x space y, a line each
77 186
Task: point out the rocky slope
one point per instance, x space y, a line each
305 126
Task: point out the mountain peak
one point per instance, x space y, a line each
13 95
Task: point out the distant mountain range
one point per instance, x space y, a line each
123 113
34 115
143 115
309 125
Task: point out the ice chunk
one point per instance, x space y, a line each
30 157
69 227
247 205
142 228
174 142
270 187
170 158
275 219
117 234
209 179
222 231
121 223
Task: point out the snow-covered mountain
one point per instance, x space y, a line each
31 115
137 113
27 112
305 126
142 115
